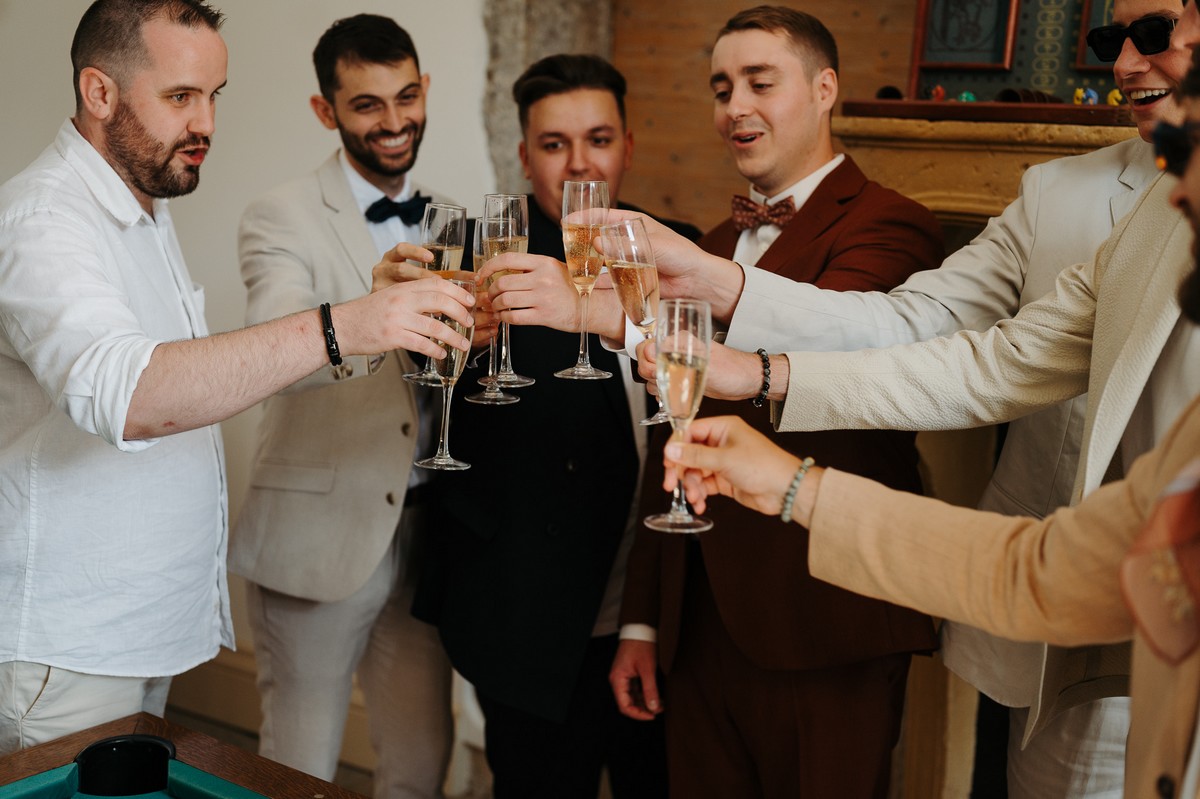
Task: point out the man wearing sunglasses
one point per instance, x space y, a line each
1066 734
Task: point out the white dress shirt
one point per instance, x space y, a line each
112 552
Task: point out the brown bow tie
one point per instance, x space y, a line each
748 214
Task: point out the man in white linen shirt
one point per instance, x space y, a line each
1065 210
112 489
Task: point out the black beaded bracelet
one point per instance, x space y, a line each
758 401
331 345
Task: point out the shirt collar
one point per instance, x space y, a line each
109 189
801 190
364 192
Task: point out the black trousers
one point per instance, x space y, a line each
534 758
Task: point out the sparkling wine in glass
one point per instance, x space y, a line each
630 263
514 209
494 237
448 370
443 233
682 334
585 206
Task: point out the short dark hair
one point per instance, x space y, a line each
562 73
812 39
109 34
361 39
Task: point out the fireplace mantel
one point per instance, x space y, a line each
962 171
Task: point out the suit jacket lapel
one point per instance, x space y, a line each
826 205
347 221
1136 311
1138 172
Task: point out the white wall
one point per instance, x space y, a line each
266 132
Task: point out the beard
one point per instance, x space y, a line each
359 147
148 164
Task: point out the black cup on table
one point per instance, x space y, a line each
125 765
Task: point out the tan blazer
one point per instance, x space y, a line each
1101 331
1052 580
335 450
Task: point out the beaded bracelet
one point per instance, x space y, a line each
758 401
789 498
331 345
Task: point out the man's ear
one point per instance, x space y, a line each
825 89
324 111
628 149
524 155
98 93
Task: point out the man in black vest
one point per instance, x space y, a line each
525 579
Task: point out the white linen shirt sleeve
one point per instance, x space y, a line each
65 313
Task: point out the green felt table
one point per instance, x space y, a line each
205 769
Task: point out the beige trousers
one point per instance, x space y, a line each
308 652
40 703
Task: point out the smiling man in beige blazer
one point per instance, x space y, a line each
328 532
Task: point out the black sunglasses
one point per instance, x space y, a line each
1150 36
1173 145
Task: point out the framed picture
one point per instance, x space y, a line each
966 34
1095 13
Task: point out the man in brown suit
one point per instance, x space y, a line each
767 698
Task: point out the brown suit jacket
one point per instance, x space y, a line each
852 234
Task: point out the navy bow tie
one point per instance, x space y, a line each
410 211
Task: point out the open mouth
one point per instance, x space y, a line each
194 156
397 141
745 137
1140 98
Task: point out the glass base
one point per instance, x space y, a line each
662 417
677 523
424 379
510 379
446 463
491 398
578 372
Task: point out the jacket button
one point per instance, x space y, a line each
406 428
1165 787
391 498
552 530
571 466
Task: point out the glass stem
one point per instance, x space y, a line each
493 386
679 506
505 350
443 452
584 362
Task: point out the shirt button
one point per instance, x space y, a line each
571 467
1165 787
406 428
391 498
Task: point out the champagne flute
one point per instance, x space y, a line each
448 370
585 203
630 263
443 233
682 334
515 209
489 235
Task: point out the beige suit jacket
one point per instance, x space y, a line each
334 451
1100 331
1052 580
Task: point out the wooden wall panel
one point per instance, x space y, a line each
681 168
